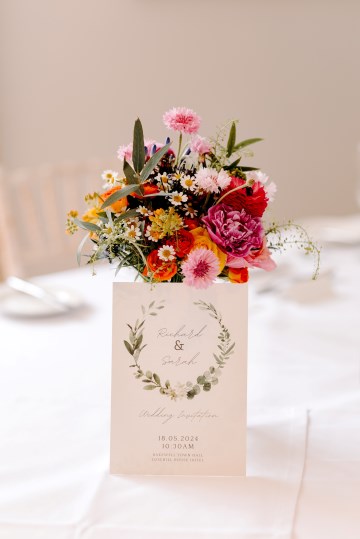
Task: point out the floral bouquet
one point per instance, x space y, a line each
191 215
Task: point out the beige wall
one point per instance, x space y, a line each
76 73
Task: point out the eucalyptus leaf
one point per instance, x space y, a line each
156 378
245 143
87 226
127 215
121 193
148 374
231 140
153 161
149 387
80 248
138 154
132 177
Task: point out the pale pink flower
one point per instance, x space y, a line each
200 145
182 119
200 268
212 181
125 152
149 144
261 177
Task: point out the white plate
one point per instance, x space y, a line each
17 304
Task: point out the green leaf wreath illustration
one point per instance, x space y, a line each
151 380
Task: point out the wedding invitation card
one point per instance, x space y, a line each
179 379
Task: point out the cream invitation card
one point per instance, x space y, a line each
179 379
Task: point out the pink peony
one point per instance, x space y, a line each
201 268
200 145
235 232
182 119
259 258
212 181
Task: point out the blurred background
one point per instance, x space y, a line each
75 74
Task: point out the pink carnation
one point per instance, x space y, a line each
182 119
200 145
212 181
235 232
201 268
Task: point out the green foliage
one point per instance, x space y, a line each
138 155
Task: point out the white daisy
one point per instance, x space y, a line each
166 253
144 211
188 183
177 198
149 235
132 232
190 211
165 180
110 177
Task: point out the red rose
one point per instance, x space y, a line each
191 223
182 241
252 199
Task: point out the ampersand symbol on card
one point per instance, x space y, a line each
178 345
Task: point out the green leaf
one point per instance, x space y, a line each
80 248
87 226
121 193
149 387
231 140
156 378
207 386
245 143
128 347
201 380
132 177
138 155
148 374
153 161
247 169
127 215
233 164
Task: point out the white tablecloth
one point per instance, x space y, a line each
304 425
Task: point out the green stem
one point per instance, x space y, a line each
179 150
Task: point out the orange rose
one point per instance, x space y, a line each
162 271
119 205
202 239
238 275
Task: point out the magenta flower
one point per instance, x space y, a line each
182 119
201 268
235 232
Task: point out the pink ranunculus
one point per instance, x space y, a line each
200 268
235 232
200 145
182 119
258 258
